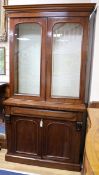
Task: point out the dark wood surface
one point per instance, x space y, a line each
46 52
76 7
44 104
42 163
3 95
29 130
57 140
59 136
3 86
42 130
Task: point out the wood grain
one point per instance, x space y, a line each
59 142
92 143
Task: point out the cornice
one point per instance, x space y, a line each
76 7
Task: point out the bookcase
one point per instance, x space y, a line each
46 112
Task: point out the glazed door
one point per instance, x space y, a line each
67 56
28 57
61 141
26 136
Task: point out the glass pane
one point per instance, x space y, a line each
27 58
66 60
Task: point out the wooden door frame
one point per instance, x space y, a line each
84 23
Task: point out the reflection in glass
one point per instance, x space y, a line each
66 60
27 59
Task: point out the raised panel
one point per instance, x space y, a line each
57 138
27 136
61 145
61 141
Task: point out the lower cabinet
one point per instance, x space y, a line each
54 138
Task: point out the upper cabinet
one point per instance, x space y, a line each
48 52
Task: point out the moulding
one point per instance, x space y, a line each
94 104
88 7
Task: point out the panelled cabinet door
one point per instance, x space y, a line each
66 59
61 141
26 136
28 57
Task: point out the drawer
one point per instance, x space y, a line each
73 116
